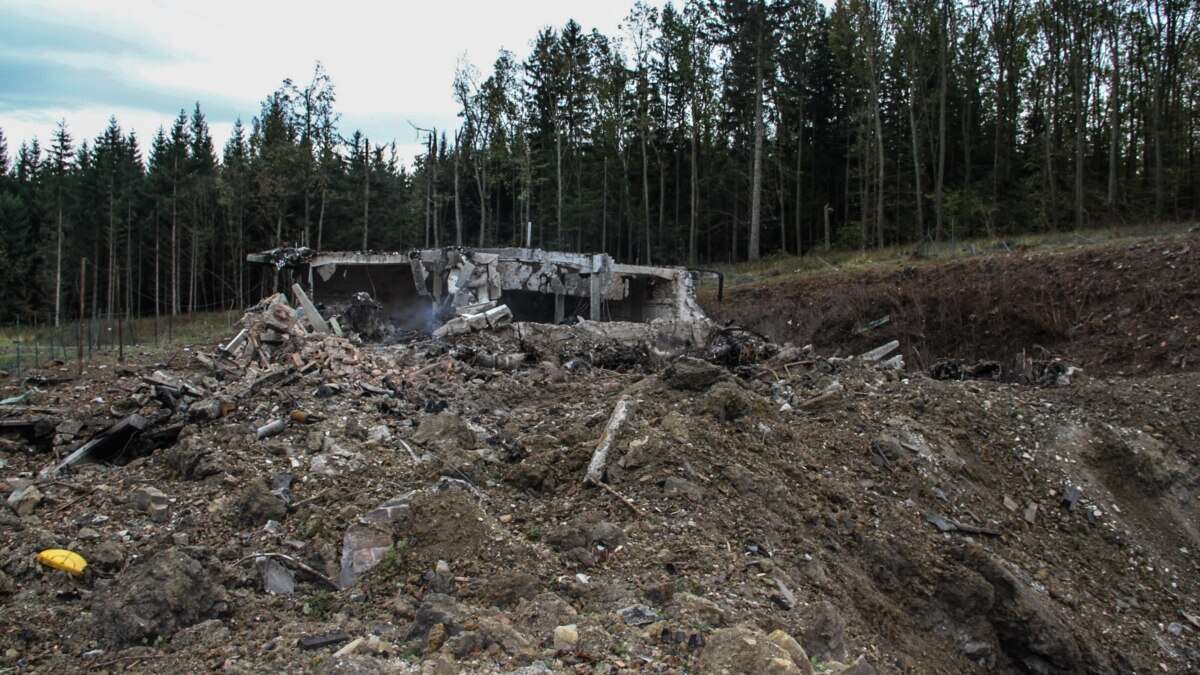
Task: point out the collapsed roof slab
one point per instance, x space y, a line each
529 279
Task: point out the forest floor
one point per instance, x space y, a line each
990 508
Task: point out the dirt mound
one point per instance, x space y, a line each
1116 310
760 507
158 597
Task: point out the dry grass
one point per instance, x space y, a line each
24 346
782 268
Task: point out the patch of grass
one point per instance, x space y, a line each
777 267
320 605
29 346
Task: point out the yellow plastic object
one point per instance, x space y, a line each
62 559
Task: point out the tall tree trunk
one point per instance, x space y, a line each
781 195
646 191
1114 121
753 244
916 158
321 219
367 191
483 211
799 177
940 179
662 193
558 179
429 192
157 274
58 263
695 197
457 199
1081 86
604 208
175 240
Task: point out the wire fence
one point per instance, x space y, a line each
41 344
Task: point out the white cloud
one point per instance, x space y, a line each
390 62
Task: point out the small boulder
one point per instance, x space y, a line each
692 374
726 401
824 637
157 598
702 608
257 504
566 637
153 502
793 648
24 500
742 649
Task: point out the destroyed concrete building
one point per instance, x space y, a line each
426 288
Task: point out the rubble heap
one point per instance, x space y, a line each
670 496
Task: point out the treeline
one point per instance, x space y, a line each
715 131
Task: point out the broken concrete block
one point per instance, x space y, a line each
477 308
276 578
151 501
499 316
455 326
24 500
310 311
476 322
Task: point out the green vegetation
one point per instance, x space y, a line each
782 268
704 132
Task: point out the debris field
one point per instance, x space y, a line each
596 497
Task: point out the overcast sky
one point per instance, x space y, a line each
142 60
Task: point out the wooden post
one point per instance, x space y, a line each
559 308
82 300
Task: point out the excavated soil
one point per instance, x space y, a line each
885 520
1128 310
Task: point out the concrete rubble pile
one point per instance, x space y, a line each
492 495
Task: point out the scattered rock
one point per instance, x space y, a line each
369 646
156 598
257 504
24 500
726 401
784 598
794 650
637 615
153 502
321 640
824 635
276 578
702 608
566 637
742 649
189 462
691 374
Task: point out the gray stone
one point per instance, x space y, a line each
24 500
276 578
153 502
692 374
824 637
638 615
703 608
566 637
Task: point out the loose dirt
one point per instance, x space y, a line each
879 519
